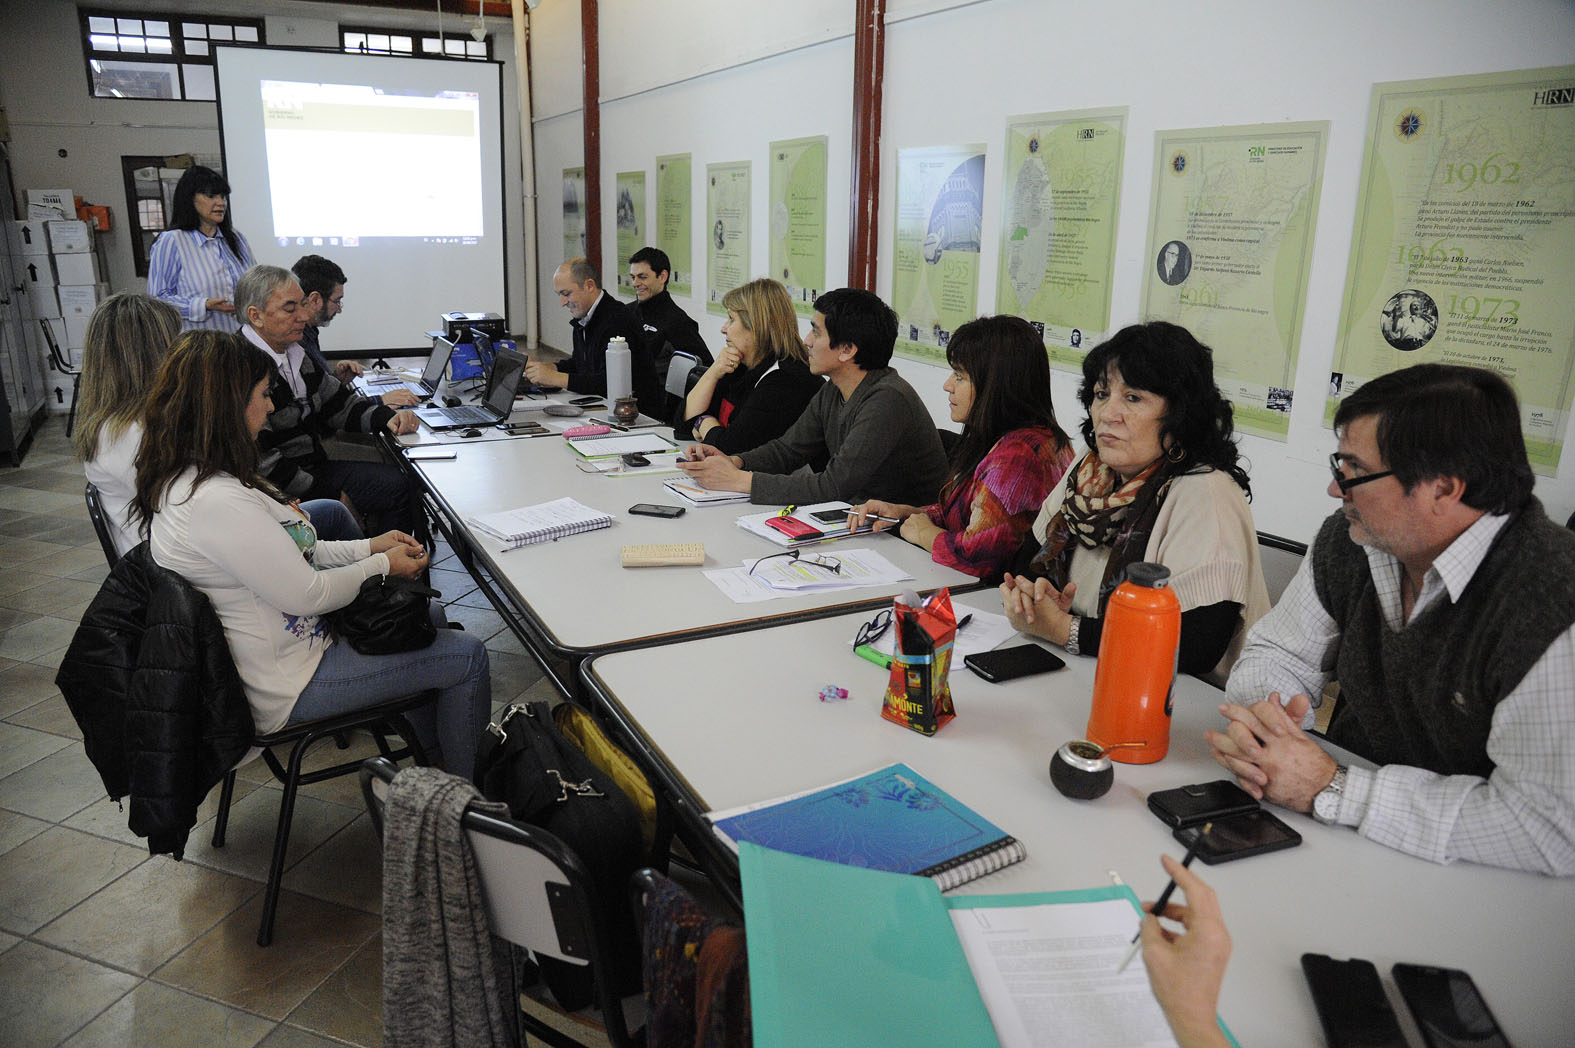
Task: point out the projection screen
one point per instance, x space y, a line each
390 166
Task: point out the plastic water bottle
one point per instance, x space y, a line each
619 382
1136 672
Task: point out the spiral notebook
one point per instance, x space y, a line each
541 523
892 819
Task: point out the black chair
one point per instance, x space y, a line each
382 720
679 380
57 360
539 897
96 514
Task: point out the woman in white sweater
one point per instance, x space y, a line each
127 339
212 519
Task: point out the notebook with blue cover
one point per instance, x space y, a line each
892 819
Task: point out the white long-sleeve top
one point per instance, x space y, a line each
113 472
268 577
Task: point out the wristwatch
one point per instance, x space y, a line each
1071 635
1326 805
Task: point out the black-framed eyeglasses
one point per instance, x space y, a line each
1345 483
831 564
874 629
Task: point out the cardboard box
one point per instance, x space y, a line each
51 203
69 238
80 300
77 269
75 337
32 270
41 302
29 238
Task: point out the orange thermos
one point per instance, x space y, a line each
1136 671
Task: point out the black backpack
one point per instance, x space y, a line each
526 762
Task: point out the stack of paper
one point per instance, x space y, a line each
693 494
781 577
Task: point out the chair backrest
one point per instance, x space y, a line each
678 368
100 519
1281 558
56 357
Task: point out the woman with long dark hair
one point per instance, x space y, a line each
1162 481
212 519
1011 455
196 261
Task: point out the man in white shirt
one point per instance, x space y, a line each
1443 600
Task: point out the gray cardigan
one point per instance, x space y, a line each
880 443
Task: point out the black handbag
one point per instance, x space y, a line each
389 615
526 762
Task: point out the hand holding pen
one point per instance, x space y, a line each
1185 969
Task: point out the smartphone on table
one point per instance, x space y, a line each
651 509
1201 802
835 517
1004 664
582 401
1351 1003
1449 1009
1238 836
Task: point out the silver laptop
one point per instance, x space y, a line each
507 370
426 386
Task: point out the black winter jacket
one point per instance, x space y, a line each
151 683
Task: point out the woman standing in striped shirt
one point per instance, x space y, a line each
196 261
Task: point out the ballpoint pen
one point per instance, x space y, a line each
1164 896
786 511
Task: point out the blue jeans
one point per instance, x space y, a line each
331 520
455 664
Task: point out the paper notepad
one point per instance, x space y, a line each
892 819
549 520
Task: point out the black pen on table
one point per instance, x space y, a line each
1164 896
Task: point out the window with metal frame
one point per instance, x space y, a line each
364 40
138 54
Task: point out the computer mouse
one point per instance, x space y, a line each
470 433
451 402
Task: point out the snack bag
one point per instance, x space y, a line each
919 693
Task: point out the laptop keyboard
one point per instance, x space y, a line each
466 414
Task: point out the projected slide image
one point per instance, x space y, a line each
348 160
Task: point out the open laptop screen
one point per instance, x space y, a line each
432 374
506 375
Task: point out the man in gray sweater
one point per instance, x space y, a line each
867 424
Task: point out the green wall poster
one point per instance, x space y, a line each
935 264
672 220
1230 239
631 223
1464 246
1061 195
574 212
798 219
727 231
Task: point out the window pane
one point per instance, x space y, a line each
196 47
150 214
133 44
158 46
377 41
196 29
477 50
129 26
453 47
156 29
101 25
199 83
220 32
355 41
135 80
104 43
400 43
246 34
429 45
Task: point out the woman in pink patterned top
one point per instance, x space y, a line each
1011 455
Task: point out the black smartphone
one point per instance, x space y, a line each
634 458
522 427
651 509
1351 1003
1003 664
1201 802
830 516
582 401
1238 836
1449 1010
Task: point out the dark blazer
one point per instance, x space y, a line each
587 368
150 681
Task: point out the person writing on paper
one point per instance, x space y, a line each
1011 455
195 263
1185 969
213 519
761 383
1442 598
866 423
1161 482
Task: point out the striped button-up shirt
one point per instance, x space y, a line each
186 269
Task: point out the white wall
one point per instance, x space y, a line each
44 88
687 76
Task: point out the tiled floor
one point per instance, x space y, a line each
101 944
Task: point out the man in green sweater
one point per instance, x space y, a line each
867 424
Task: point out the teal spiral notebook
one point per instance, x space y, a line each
893 820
